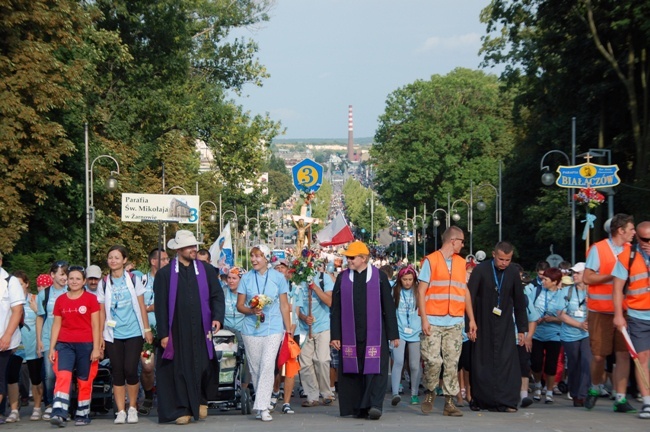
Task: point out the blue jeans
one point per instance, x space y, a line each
49 381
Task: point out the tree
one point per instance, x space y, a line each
43 72
436 136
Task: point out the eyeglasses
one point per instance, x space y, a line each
461 240
353 257
643 239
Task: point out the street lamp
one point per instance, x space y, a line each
111 185
470 222
179 188
423 219
548 179
481 206
213 218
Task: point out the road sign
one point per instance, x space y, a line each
307 175
160 207
588 175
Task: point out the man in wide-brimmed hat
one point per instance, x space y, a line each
189 305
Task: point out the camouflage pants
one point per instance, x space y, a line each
442 347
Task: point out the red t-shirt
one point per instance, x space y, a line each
76 325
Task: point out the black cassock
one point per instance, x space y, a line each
495 373
182 383
358 392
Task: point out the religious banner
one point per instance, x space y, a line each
160 207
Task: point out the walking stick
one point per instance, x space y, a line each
635 357
309 300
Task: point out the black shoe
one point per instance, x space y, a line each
578 403
526 402
473 405
624 407
374 413
57 421
146 406
592 397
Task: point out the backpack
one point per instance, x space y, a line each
538 291
105 280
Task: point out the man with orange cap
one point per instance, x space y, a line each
363 320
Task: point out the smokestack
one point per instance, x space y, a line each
350 135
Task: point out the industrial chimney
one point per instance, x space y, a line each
350 135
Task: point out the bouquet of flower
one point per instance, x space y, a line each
147 348
259 302
303 269
307 195
589 197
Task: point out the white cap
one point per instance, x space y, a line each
579 267
94 271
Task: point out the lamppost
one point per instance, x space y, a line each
423 219
372 214
213 218
403 235
470 223
436 223
481 206
548 178
111 185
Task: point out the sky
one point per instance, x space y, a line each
324 55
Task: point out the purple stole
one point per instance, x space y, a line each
204 294
373 324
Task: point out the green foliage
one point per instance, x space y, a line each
359 209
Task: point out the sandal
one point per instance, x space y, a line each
286 409
146 406
328 401
13 417
36 414
308 404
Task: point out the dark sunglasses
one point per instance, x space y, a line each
643 239
77 268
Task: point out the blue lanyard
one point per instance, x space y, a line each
499 284
546 301
409 306
265 281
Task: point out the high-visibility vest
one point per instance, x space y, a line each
638 291
445 294
600 295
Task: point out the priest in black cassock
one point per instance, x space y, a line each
495 287
189 305
363 320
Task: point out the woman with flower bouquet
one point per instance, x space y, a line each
262 297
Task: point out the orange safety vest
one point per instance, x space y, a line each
638 291
600 295
445 294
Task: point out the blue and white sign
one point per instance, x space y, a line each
588 175
307 175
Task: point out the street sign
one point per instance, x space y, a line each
160 207
307 175
588 175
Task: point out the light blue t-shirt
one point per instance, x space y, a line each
440 321
148 298
28 332
233 319
593 260
407 316
272 284
549 303
319 310
46 332
295 300
621 272
123 313
531 311
576 308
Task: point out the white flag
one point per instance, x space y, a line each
221 251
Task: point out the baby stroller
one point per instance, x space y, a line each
226 392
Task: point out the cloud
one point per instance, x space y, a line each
450 42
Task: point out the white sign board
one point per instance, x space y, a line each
160 207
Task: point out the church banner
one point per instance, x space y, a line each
160 207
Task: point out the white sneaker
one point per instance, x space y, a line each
132 416
266 417
120 418
537 394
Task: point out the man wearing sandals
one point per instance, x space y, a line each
315 352
635 268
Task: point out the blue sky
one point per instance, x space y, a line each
324 55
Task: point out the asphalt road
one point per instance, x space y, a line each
560 416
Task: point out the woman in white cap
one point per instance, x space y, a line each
125 324
263 328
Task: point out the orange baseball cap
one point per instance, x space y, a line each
356 248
